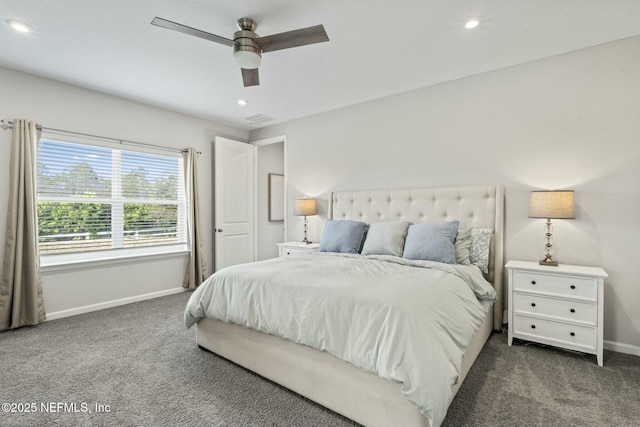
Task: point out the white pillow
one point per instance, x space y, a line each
462 246
386 238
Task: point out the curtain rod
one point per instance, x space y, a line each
8 124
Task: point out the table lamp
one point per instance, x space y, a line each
551 205
305 207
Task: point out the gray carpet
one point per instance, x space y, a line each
139 360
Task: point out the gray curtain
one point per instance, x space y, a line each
20 286
197 267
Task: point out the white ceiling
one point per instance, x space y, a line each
377 48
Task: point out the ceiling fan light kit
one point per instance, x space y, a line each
246 51
247 58
248 46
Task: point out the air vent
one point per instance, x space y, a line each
258 119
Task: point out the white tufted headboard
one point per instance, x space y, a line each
474 206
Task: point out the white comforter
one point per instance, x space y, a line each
408 321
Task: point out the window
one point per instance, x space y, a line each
96 202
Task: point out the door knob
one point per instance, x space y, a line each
219 230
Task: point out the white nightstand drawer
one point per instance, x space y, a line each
297 248
296 252
557 308
569 286
555 333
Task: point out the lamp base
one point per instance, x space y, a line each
548 246
306 228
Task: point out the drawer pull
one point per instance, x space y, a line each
573 286
573 334
573 310
533 282
534 326
533 304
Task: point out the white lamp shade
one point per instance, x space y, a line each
552 204
247 59
305 207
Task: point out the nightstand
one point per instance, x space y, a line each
297 248
560 306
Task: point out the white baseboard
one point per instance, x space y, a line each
114 303
622 348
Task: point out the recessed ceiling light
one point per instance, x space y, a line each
471 23
19 26
242 102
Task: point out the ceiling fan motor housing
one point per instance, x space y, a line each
246 52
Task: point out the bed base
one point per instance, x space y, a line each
333 383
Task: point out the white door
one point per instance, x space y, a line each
234 203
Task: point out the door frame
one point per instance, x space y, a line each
261 143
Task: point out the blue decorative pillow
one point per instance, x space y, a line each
343 236
432 242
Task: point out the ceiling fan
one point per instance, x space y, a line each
248 46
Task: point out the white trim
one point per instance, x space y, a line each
56 262
261 143
109 304
268 141
286 189
255 203
622 348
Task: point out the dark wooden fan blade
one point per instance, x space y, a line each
294 38
191 31
250 77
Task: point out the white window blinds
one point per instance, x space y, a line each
92 198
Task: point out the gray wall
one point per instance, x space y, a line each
567 122
63 106
270 159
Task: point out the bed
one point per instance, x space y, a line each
339 385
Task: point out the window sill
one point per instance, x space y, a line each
66 262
